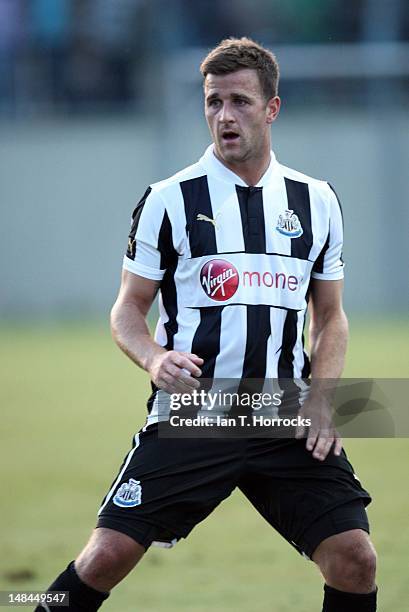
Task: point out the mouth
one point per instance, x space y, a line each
230 136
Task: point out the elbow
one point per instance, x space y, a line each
334 320
113 328
114 321
343 321
332 316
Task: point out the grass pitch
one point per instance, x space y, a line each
70 403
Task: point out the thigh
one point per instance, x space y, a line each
304 499
166 486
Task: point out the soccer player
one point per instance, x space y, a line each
236 245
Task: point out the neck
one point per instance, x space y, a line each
250 171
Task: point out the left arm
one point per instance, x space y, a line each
328 329
328 343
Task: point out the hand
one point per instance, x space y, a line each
174 371
322 435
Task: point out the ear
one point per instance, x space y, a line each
273 108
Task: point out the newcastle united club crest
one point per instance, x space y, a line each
289 225
129 494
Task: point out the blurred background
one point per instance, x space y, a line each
99 98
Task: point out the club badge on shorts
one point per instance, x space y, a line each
129 494
289 225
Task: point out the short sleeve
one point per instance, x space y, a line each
329 264
150 249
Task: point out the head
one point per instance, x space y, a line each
241 101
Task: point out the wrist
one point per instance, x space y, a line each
150 357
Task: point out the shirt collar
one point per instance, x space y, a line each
215 167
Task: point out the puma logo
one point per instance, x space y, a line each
201 217
131 248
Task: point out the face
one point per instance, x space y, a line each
238 116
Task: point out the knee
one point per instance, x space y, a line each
99 566
99 559
357 564
106 559
352 567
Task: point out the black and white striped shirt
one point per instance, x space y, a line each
235 263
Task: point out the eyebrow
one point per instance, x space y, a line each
240 95
232 95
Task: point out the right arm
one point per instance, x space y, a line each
172 371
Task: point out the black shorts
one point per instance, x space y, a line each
166 486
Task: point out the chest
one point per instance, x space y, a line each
279 218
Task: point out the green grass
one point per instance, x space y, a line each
70 403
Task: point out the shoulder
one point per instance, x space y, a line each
167 187
163 194
320 191
300 177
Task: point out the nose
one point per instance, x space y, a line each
226 113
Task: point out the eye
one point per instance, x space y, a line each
213 103
241 102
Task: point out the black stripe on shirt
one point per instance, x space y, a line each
341 211
255 357
168 262
206 341
319 262
152 397
298 197
201 233
252 218
306 369
286 366
258 333
338 200
169 299
168 254
136 215
286 359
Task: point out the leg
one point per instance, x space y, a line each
347 561
320 509
126 530
107 558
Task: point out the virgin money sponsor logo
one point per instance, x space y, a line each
279 280
219 279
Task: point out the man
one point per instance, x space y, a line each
233 244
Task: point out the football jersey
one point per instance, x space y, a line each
235 263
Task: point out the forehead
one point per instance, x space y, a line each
245 81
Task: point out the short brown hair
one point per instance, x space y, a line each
233 54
